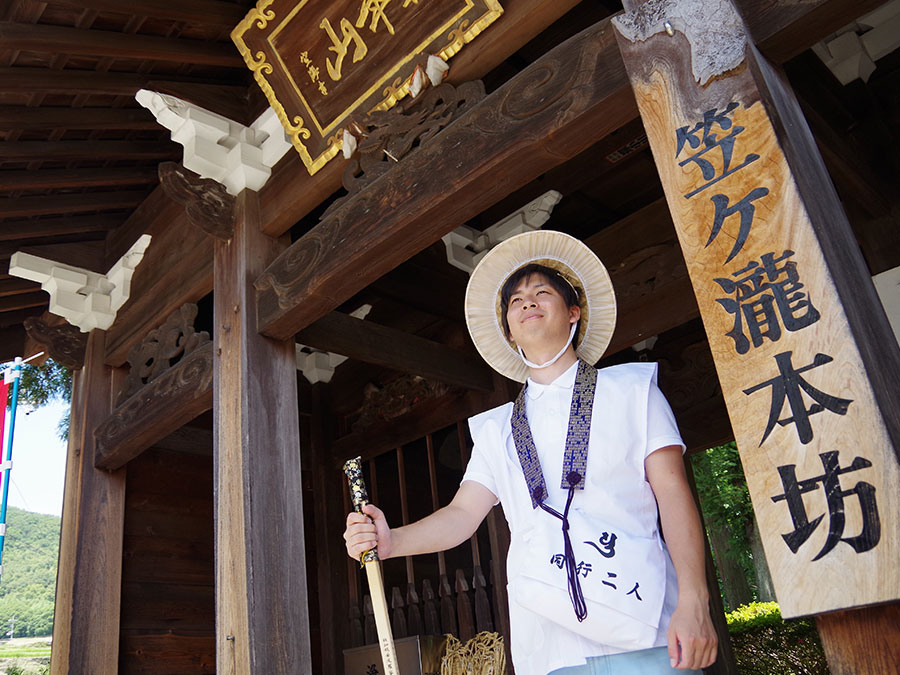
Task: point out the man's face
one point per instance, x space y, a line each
538 317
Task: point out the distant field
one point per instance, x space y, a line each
29 654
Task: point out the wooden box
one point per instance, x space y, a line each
416 655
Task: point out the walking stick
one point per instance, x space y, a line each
369 560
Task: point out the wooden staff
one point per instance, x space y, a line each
369 560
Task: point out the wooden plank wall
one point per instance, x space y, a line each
168 582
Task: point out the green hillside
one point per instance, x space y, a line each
28 582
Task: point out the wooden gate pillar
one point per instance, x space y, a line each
262 619
89 581
804 353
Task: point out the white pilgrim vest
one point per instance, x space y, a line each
626 583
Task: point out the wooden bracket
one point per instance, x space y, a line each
65 344
208 204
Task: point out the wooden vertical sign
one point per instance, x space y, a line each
797 339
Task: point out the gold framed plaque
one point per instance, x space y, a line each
320 61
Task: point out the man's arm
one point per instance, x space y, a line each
445 528
691 636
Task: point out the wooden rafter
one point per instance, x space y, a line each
41 119
44 81
63 40
13 230
16 286
203 12
87 150
90 201
71 178
10 303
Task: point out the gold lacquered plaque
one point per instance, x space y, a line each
320 61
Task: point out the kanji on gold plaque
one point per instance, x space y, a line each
320 61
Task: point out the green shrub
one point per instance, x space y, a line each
765 644
754 615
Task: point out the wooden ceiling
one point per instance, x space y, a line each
78 153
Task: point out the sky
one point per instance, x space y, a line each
39 459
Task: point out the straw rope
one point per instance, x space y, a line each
484 654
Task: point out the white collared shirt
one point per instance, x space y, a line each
631 419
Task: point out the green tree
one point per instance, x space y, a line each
28 582
43 383
728 514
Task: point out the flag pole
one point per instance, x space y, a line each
12 374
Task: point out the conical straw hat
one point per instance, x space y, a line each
556 250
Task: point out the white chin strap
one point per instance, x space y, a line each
555 358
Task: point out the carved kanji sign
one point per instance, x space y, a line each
320 61
779 302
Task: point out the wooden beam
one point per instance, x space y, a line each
111 44
382 346
88 150
202 12
19 207
566 101
11 181
782 30
177 268
12 342
45 81
861 641
262 614
653 290
24 301
157 410
17 287
88 254
88 603
424 419
48 119
13 230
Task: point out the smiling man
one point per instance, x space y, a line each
579 462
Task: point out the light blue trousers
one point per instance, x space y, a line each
644 662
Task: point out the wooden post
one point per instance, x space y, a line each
89 584
804 353
262 620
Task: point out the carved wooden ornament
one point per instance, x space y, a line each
208 204
175 339
65 344
320 61
170 383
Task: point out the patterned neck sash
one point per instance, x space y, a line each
578 437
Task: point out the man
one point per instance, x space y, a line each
579 463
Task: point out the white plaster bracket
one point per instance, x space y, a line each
318 366
851 53
84 298
216 147
466 246
887 284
